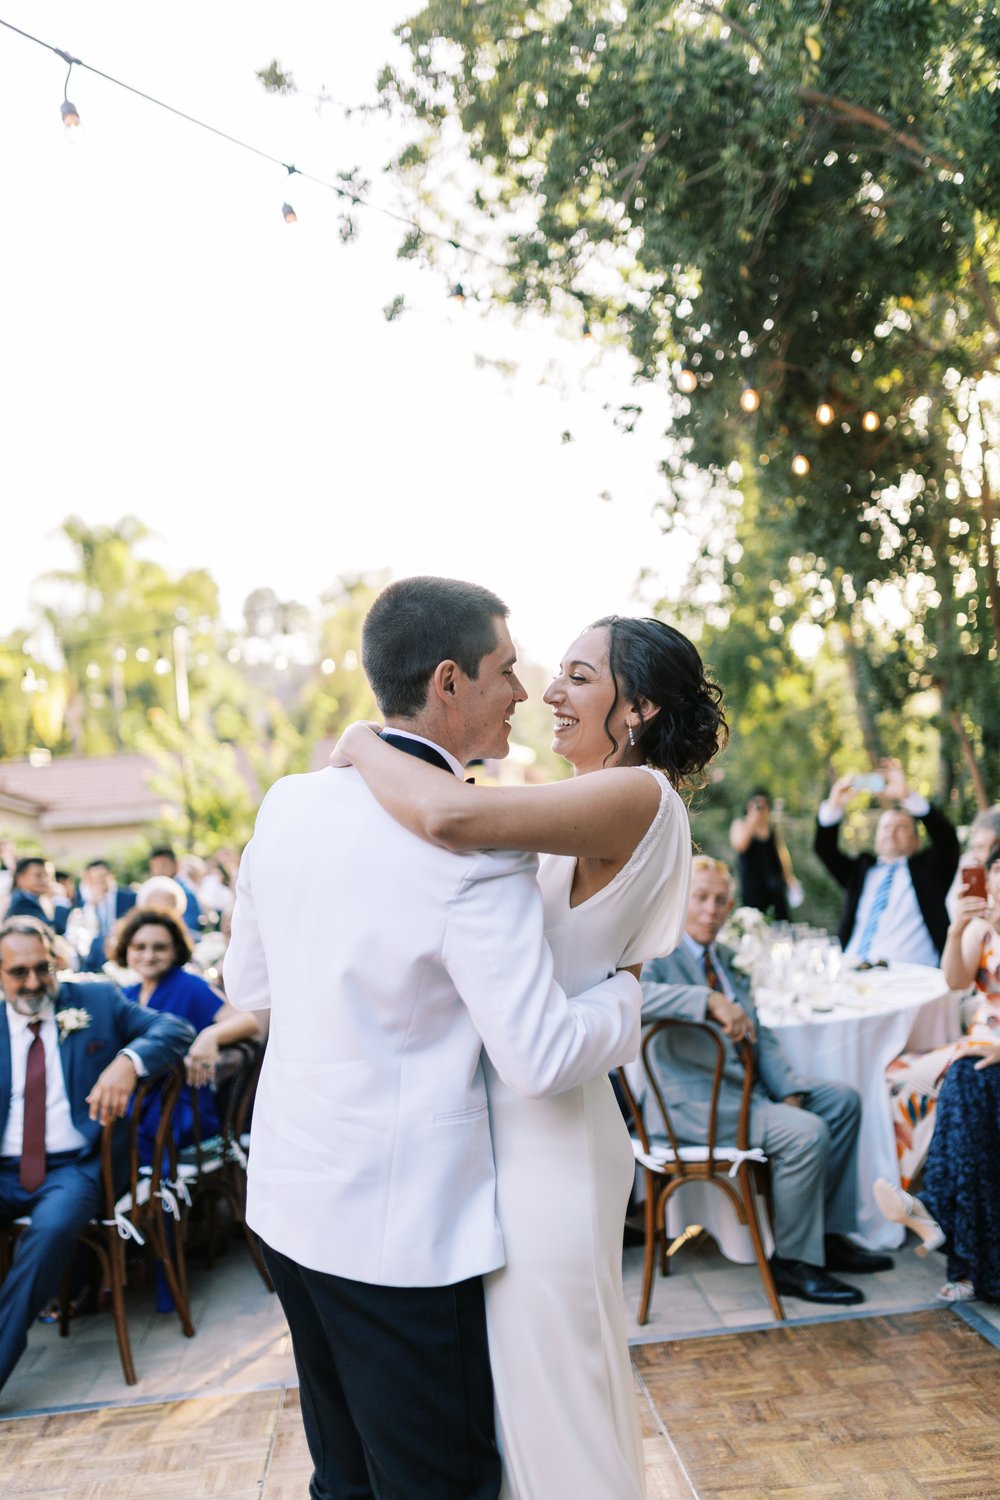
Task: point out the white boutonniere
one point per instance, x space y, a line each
73 1018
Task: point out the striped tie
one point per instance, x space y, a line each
711 972
878 906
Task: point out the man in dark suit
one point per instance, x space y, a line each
808 1130
70 1056
104 902
894 907
32 887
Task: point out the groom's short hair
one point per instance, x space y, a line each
417 623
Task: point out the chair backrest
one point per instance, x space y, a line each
166 1087
236 1082
647 1060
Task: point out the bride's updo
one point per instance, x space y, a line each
649 659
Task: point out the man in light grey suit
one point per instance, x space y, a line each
808 1130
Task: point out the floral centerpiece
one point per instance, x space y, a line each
746 933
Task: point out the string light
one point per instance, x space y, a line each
871 421
69 113
588 332
800 465
288 214
457 292
825 413
749 399
351 195
687 381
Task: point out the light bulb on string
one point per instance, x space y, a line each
457 292
800 465
749 399
687 381
871 421
825 413
588 332
288 214
68 110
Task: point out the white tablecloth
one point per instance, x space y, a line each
876 1015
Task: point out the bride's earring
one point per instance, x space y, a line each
631 736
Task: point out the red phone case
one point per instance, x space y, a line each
974 881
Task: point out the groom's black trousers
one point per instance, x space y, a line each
397 1399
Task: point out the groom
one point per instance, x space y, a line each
389 964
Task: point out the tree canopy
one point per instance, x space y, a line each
788 210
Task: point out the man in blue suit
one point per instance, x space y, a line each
105 901
808 1129
70 1057
32 881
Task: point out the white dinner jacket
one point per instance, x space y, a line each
388 964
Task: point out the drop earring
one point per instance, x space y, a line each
631 736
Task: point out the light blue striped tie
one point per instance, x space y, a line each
878 906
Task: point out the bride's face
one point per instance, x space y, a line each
581 698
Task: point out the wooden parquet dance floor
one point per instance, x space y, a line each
891 1408
903 1407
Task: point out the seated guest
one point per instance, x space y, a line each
102 903
983 834
971 957
71 1054
160 893
959 1203
156 946
808 1130
894 907
32 892
163 861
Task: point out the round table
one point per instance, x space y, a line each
874 1016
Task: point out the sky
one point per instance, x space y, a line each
172 349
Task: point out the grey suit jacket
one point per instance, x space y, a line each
684 1062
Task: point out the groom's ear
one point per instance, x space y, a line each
444 683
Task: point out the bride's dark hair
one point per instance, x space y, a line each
650 659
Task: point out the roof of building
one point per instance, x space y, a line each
78 787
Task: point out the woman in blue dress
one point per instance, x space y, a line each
156 946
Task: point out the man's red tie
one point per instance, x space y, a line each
32 1171
711 972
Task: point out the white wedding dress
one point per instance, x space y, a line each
567 1421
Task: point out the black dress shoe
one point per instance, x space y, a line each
843 1254
795 1278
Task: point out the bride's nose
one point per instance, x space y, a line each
553 692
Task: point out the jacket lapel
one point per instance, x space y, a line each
5 1069
68 1052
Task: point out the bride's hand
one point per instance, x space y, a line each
349 740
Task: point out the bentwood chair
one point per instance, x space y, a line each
668 1163
212 1171
140 1209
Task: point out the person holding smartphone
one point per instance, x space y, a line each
959 1204
983 834
894 904
971 957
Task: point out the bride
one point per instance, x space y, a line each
631 697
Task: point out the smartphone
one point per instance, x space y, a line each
874 781
974 881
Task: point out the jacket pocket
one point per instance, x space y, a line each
460 1116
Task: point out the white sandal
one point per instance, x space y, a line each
903 1208
957 1291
